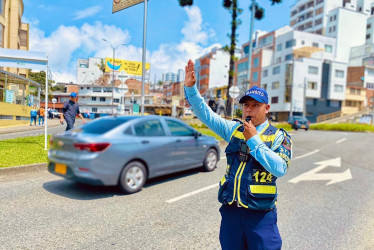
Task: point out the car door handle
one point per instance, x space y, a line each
179 140
145 142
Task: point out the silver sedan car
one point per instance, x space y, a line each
128 150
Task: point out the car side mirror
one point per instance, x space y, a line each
197 134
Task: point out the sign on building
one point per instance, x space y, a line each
130 67
123 4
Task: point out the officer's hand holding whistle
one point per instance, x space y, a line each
249 130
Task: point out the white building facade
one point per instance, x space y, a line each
304 76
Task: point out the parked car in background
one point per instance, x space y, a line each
298 122
128 150
55 113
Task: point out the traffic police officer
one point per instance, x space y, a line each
257 154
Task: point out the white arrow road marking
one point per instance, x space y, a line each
332 177
341 140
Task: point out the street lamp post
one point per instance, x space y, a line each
114 52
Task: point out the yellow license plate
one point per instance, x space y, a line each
303 126
60 168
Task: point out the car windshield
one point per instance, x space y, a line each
299 118
102 126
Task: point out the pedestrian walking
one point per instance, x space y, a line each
41 113
257 154
212 104
70 110
33 115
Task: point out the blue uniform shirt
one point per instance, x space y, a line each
272 162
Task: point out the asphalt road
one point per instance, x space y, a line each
40 131
42 211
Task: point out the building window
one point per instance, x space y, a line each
88 87
334 17
279 47
278 60
94 109
339 73
319 11
96 89
367 36
318 22
290 43
334 104
276 70
313 70
312 85
83 65
107 90
274 99
338 88
242 66
93 98
81 87
102 99
1 35
316 45
265 86
23 38
328 48
265 73
255 76
368 26
256 62
319 32
2 7
275 85
288 57
116 100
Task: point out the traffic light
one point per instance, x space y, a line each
185 2
227 3
259 11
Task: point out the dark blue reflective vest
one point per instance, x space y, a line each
249 184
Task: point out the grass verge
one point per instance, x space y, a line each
350 127
207 131
22 151
283 125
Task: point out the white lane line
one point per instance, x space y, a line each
192 193
302 156
341 140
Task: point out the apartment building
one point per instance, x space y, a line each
212 73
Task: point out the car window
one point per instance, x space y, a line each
149 128
102 126
128 131
177 129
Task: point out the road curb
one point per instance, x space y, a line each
38 167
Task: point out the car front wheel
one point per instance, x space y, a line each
133 177
210 160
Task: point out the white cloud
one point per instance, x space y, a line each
68 43
88 12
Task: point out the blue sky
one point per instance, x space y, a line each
70 29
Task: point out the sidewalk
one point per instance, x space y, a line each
23 128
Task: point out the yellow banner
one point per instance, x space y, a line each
123 4
130 67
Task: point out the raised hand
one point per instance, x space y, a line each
190 78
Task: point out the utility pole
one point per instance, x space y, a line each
304 101
250 40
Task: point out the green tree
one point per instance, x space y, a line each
232 6
40 78
160 83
